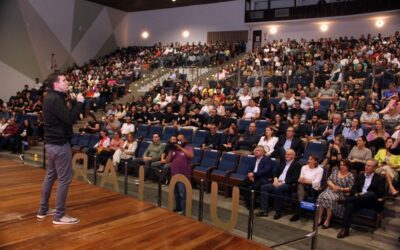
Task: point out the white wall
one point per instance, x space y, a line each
339 26
167 25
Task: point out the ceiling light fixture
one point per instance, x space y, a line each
145 34
185 34
323 27
379 23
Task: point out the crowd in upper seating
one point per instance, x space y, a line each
329 106
327 110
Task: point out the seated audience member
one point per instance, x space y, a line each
245 98
285 178
127 151
288 98
268 141
359 154
112 125
196 120
326 93
169 117
278 125
333 129
297 110
179 158
367 189
315 129
156 117
337 151
213 139
352 132
115 143
251 111
369 117
376 137
339 183
237 110
92 126
207 107
120 114
283 110
102 144
229 139
228 120
162 163
213 119
309 183
392 118
261 101
128 127
248 141
288 141
144 116
300 130
182 119
260 175
3 124
112 110
151 154
25 131
255 90
316 110
388 165
9 137
306 102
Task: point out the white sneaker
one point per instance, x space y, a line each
66 220
49 212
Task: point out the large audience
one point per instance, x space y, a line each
340 94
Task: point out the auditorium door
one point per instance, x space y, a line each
257 34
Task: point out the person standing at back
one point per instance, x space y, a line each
58 121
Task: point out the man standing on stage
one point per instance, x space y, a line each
58 121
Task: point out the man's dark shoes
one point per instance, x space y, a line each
262 213
277 215
343 233
295 217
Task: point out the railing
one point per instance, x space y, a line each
234 223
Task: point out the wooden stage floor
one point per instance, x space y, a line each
109 220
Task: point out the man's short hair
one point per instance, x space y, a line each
52 78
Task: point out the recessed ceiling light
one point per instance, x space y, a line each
324 27
379 23
145 34
185 34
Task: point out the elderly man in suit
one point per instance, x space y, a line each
367 189
261 174
285 177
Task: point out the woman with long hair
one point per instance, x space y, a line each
337 151
353 132
359 154
377 136
127 151
339 183
268 141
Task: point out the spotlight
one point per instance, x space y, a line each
323 27
145 34
185 34
379 23
273 30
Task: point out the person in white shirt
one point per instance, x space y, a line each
127 127
198 85
245 98
268 141
288 98
251 111
306 102
3 124
254 91
128 150
309 182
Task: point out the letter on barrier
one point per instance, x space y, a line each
110 176
180 178
213 208
78 171
141 183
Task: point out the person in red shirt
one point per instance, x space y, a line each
10 136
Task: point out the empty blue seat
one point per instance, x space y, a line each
243 125
155 130
317 148
208 163
141 131
246 164
143 145
261 126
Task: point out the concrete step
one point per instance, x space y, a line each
392 224
388 237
